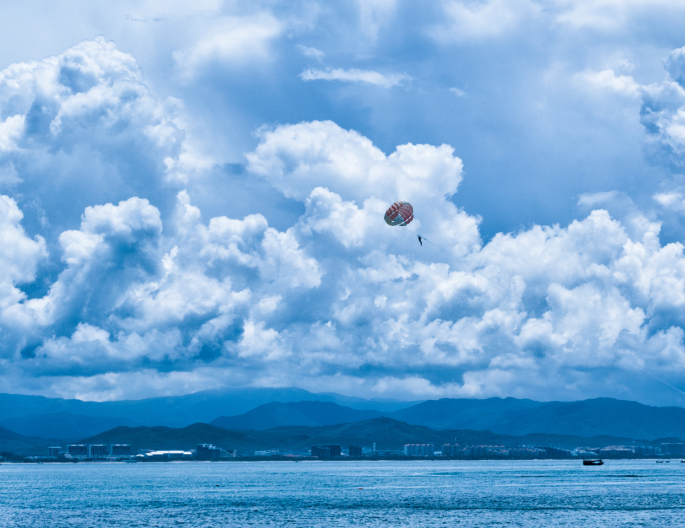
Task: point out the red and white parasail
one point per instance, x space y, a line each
399 214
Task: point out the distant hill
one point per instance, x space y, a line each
308 413
600 416
15 442
510 416
178 411
64 425
385 432
466 413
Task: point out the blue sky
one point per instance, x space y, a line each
192 197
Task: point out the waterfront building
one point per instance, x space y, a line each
673 449
98 451
527 452
120 450
556 452
419 450
355 451
383 453
616 451
451 450
208 452
54 451
646 450
326 451
163 456
78 450
268 452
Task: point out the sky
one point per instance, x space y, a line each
192 197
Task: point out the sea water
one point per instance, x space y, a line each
365 493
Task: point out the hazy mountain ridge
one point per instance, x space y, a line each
246 409
307 413
64 425
11 441
174 411
510 416
599 416
385 432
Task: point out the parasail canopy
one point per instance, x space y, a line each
399 214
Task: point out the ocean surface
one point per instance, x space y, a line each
425 494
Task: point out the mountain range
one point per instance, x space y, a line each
41 416
385 432
266 409
508 416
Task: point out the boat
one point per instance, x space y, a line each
592 462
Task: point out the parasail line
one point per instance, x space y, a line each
662 381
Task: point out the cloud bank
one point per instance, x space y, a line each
115 283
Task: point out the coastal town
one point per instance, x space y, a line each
209 452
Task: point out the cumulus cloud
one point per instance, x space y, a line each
355 75
663 113
19 254
149 297
83 128
570 298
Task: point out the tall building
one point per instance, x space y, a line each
327 451
355 451
78 450
98 451
207 452
452 450
54 451
120 450
420 450
673 449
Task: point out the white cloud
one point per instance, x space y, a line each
458 92
607 79
674 201
355 75
19 254
373 14
10 131
231 40
608 15
87 115
148 297
311 52
663 113
475 20
598 198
